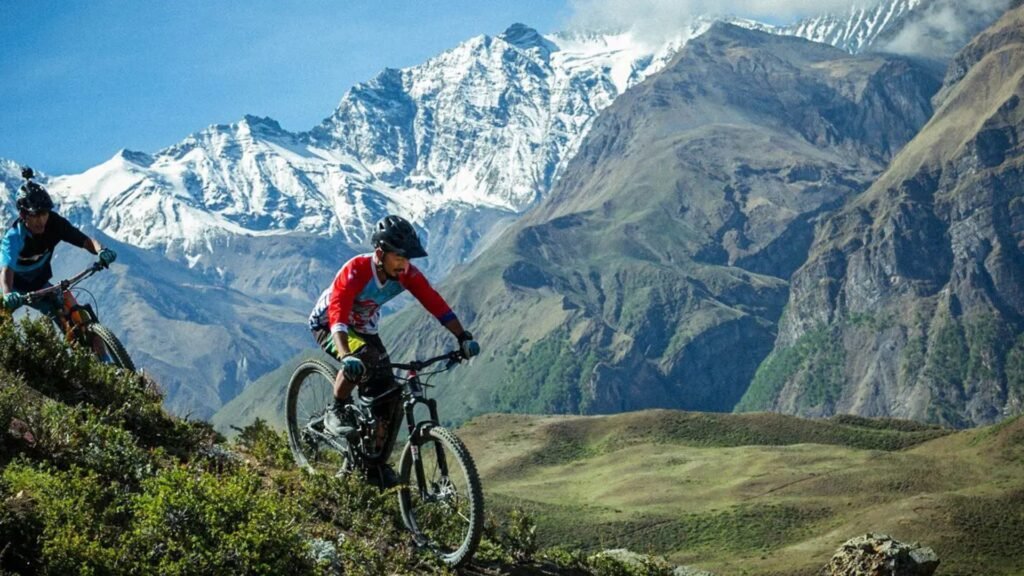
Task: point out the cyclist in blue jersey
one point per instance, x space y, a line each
28 243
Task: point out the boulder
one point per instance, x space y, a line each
880 555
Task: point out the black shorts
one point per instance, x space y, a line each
370 349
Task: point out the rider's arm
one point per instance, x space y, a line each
348 283
455 327
10 247
417 284
6 280
70 233
93 246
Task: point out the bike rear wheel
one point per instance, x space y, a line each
310 395
441 500
115 352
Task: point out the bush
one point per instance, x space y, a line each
192 522
265 444
514 535
68 436
60 522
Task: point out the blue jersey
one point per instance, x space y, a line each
28 255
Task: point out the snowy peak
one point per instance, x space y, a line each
526 38
855 31
487 123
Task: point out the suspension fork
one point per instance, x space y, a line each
417 431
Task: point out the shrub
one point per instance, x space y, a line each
64 522
188 521
78 436
265 444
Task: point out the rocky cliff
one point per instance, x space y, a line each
911 303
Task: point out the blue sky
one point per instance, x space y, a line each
80 80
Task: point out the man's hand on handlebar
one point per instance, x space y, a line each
467 345
13 300
107 256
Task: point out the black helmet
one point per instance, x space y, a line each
395 234
32 198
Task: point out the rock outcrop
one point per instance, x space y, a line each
880 555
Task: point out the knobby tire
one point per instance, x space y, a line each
306 450
437 520
114 347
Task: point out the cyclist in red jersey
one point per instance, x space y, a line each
345 318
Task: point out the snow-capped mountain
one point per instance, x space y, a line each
481 128
474 135
484 127
856 31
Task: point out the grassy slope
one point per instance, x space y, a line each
759 493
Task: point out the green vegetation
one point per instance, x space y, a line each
1015 368
816 360
999 518
548 378
987 340
948 356
757 494
957 357
95 478
571 440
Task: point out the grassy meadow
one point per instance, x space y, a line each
758 493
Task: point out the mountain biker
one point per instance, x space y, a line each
27 247
344 323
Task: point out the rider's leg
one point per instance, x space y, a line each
336 420
53 308
379 379
342 386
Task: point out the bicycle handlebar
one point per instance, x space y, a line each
63 284
455 356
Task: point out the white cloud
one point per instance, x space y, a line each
943 28
657 19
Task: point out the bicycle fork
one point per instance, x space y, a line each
417 433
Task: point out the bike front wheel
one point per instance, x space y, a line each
310 395
114 351
441 500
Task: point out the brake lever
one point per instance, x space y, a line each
454 358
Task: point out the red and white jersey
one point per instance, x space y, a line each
355 297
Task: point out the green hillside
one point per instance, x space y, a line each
759 493
96 478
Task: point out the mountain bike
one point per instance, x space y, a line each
79 323
439 495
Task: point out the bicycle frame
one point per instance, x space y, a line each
69 314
